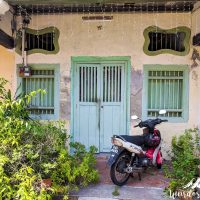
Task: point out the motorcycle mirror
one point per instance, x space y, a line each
134 117
162 112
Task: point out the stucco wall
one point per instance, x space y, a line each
123 36
7 66
196 71
7 57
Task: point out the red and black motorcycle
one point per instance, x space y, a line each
130 154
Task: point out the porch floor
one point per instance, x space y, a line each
152 177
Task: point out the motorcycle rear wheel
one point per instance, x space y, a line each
118 169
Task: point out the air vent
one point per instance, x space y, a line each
97 18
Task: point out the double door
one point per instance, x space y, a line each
100 103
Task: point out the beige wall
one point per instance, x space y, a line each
7 65
121 37
196 30
7 57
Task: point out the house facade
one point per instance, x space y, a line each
99 68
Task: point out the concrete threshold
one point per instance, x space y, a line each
104 192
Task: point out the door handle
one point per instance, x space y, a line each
101 106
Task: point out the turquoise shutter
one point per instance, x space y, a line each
165 91
40 79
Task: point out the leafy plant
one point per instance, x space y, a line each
116 191
185 159
31 151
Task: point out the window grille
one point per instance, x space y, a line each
88 84
41 104
166 87
165 91
112 83
111 86
42 41
174 41
39 41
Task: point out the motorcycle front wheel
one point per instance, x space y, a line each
118 175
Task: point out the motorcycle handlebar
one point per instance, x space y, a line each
150 124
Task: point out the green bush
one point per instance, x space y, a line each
31 151
185 159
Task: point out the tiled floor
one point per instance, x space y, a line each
152 177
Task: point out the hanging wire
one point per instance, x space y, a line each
37 27
32 16
63 17
157 17
153 12
49 12
111 13
122 25
134 18
170 41
141 24
104 24
117 16
71 20
176 33
165 34
54 18
88 23
43 15
196 17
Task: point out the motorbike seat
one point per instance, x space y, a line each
135 139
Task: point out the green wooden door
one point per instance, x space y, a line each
100 103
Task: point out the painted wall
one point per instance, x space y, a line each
7 57
123 36
196 71
7 65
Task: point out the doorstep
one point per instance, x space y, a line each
104 192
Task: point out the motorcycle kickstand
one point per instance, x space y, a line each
139 176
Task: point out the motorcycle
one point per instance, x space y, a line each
133 154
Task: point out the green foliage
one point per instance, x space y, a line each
185 159
31 151
116 191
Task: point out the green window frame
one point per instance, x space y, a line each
44 76
38 49
155 29
166 87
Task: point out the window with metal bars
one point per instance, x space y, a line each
174 41
46 77
43 41
39 41
166 88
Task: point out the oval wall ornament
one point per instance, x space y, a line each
174 41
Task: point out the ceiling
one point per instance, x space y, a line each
70 6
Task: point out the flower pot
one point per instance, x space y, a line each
46 182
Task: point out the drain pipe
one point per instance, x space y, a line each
24 61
